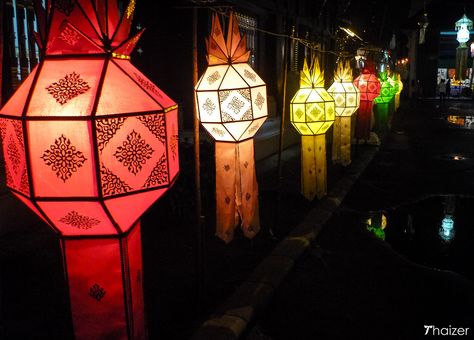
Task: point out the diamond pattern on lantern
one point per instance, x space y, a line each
106 130
235 105
159 175
96 292
13 154
111 183
156 124
259 101
68 88
69 36
208 106
74 219
135 156
134 152
63 158
14 151
211 79
174 140
250 75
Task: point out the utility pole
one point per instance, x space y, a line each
197 178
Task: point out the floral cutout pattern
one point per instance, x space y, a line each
134 152
74 219
68 88
63 158
97 292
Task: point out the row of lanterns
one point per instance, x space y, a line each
90 143
231 102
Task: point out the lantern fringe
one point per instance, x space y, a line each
104 278
236 190
364 120
313 166
341 147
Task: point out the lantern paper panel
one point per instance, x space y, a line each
105 278
231 103
341 145
312 113
313 166
364 120
386 90
312 108
236 190
230 96
347 99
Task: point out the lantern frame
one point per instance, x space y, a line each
230 97
346 95
75 91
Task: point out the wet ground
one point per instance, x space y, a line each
354 285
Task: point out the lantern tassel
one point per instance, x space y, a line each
105 281
364 119
341 147
313 170
236 190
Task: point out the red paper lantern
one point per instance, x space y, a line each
369 87
89 142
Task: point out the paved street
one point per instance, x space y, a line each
352 285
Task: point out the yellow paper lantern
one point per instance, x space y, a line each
231 102
347 99
312 113
399 90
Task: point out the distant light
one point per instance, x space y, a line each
350 33
446 231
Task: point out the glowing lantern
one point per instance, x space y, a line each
382 109
232 105
346 100
399 88
312 114
369 87
89 144
377 223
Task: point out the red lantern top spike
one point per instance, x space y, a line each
226 51
72 27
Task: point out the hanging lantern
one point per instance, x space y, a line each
399 88
231 101
382 107
312 114
369 87
89 144
346 100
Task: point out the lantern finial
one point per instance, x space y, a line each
223 51
85 27
343 72
313 76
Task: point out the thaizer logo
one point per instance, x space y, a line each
443 331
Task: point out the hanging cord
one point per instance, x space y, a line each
310 44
